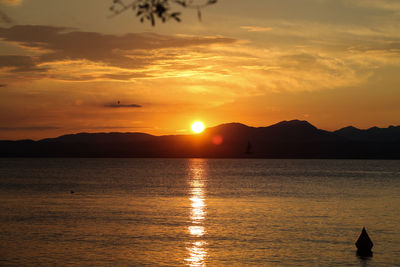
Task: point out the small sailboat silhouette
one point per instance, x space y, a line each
364 244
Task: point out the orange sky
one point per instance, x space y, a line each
64 65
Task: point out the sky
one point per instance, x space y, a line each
65 64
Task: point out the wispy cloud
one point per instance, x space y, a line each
256 29
29 128
11 2
388 5
105 56
126 51
19 63
299 57
119 105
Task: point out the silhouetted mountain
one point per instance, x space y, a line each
287 139
297 130
101 138
295 123
391 133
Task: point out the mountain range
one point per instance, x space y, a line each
286 139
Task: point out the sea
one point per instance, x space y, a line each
197 212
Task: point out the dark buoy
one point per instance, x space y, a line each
364 244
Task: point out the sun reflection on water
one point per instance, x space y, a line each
197 247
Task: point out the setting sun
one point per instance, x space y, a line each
197 127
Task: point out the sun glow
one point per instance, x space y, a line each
197 127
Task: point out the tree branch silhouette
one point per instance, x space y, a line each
150 10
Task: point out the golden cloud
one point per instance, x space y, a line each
11 2
256 29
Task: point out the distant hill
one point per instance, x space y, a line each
391 133
100 138
286 139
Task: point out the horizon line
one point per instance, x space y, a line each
188 134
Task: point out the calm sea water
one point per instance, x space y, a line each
197 212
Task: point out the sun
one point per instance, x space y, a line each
197 127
